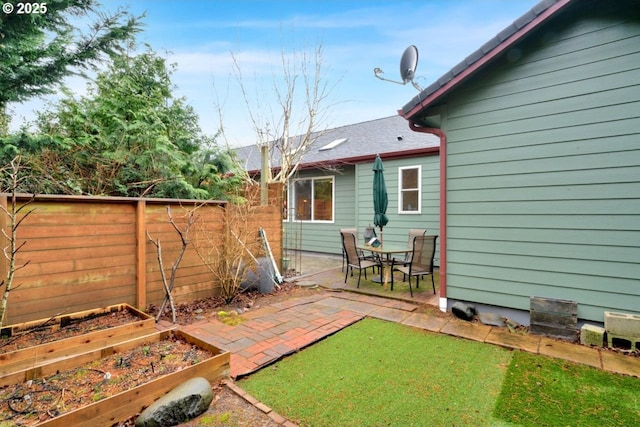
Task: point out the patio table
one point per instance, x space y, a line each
387 250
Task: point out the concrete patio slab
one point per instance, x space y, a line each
504 338
570 351
379 301
390 314
468 330
347 304
426 322
620 363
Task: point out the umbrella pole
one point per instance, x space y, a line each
387 269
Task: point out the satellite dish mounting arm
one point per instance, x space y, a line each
378 71
408 64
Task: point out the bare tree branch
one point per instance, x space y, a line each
12 213
291 127
169 285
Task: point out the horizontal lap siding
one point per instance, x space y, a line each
354 205
77 254
397 230
543 177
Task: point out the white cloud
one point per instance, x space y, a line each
355 41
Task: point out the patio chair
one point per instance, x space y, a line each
361 254
413 232
353 231
353 259
421 262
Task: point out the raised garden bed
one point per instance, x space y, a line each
113 383
26 348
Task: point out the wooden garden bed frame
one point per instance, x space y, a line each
131 402
24 364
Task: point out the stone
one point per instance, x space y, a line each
259 277
181 404
592 335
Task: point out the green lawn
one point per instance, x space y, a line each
542 391
378 373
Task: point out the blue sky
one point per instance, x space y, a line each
356 36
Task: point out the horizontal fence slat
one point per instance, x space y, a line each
82 252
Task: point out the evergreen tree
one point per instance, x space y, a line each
38 50
128 137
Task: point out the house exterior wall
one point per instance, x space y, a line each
354 205
397 229
543 170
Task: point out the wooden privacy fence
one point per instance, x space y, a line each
89 252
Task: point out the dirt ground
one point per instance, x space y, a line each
227 408
187 314
230 410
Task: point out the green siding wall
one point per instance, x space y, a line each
397 229
354 205
543 175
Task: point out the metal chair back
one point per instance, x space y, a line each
424 250
350 250
413 233
353 231
353 258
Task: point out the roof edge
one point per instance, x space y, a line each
393 155
471 69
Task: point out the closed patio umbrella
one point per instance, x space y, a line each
380 199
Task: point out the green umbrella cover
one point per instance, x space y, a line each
380 198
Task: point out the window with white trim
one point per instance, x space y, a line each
313 199
410 197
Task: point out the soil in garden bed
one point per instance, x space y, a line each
48 333
38 400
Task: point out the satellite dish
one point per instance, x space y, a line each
408 64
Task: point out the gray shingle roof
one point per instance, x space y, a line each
389 137
485 50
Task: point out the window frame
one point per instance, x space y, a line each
401 190
293 217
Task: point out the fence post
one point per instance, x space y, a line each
141 257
